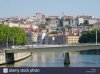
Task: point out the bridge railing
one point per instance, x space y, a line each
55 45
84 44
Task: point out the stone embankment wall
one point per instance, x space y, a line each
17 56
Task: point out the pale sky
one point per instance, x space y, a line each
9 8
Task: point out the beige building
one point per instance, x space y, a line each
72 39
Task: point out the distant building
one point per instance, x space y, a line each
38 19
68 20
92 21
29 38
41 18
85 17
80 19
98 21
14 25
53 22
34 37
72 31
72 39
96 26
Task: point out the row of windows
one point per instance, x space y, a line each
73 39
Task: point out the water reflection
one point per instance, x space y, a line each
90 58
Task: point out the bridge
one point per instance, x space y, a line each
9 53
54 48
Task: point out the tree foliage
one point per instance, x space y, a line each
86 23
15 35
54 32
89 36
42 26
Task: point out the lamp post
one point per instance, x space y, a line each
96 37
7 42
13 41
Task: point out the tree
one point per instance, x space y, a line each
42 26
14 35
54 32
86 23
89 36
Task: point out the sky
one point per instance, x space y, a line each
10 8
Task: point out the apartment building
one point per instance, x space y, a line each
72 39
68 20
80 19
53 22
41 18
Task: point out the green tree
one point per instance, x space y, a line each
89 36
54 32
15 35
42 26
86 23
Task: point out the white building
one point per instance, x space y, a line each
80 20
34 37
92 21
14 25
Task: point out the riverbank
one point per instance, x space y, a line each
17 57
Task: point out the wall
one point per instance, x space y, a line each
17 56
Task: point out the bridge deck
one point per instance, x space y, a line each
55 48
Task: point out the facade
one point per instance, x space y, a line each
98 21
92 21
34 38
57 39
96 26
40 18
72 39
68 20
72 31
53 22
80 19
14 25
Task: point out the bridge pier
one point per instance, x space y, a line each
9 58
66 59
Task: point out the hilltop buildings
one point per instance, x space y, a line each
66 29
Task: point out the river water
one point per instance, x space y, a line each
90 58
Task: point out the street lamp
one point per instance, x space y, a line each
7 42
96 37
13 41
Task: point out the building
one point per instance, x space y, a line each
68 20
34 37
57 39
92 21
41 18
72 39
80 19
53 22
38 19
96 26
98 21
14 25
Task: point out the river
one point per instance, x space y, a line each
89 58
